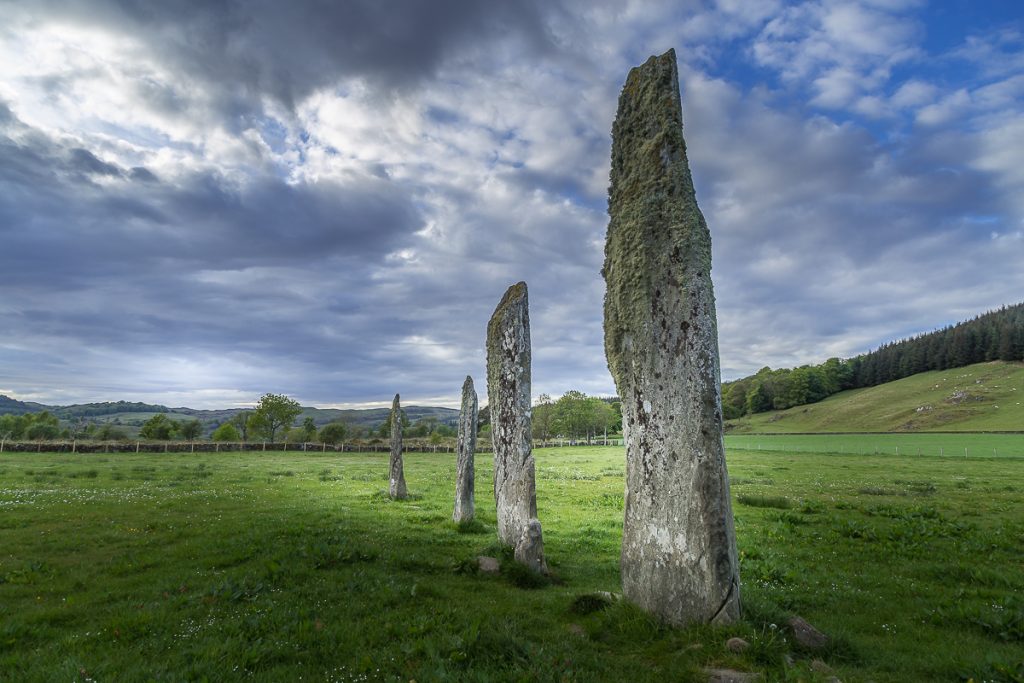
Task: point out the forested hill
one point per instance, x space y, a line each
996 335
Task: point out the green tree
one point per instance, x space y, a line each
543 417
758 399
41 426
574 414
273 412
159 427
226 432
308 429
110 432
191 430
240 420
334 433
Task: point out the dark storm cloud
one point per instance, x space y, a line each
288 49
56 216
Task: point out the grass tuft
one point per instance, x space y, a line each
762 501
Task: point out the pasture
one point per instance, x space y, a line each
292 566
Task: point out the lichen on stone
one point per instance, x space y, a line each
661 341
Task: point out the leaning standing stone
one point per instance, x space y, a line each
464 476
679 557
396 487
508 394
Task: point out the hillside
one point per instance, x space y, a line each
976 398
996 335
131 416
11 406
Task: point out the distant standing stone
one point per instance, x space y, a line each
508 394
464 475
679 558
396 480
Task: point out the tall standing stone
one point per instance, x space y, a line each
396 480
679 557
464 475
508 395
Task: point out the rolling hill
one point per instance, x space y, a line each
984 397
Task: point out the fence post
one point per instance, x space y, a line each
74 445
2 445
264 445
136 446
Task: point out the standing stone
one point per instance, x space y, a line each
508 394
464 476
679 557
396 488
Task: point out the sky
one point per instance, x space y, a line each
207 200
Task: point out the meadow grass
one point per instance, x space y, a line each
921 444
291 566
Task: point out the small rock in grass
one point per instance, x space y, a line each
736 645
821 667
489 565
806 635
731 676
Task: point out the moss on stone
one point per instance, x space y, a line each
655 226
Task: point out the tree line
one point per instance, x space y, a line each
995 335
574 416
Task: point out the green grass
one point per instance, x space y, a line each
289 566
993 401
921 444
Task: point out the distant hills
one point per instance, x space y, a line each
131 414
984 397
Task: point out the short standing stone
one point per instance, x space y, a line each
464 476
396 479
530 548
679 558
508 395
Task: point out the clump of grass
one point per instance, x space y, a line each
281 473
83 474
328 475
588 603
761 501
918 487
471 526
874 491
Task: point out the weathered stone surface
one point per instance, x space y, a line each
488 565
396 480
679 558
530 547
737 645
805 635
508 394
464 474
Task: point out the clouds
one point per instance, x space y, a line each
327 200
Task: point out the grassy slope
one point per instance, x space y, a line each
995 402
293 566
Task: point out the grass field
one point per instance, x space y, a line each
288 567
919 444
977 398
